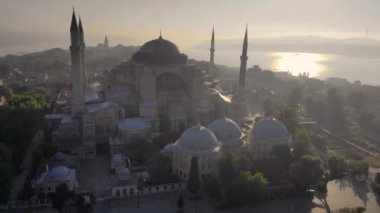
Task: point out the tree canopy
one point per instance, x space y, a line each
193 183
5 171
247 188
6 91
228 168
306 172
288 117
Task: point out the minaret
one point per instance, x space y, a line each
243 65
82 46
106 42
212 49
77 102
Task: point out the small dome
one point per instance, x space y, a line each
59 173
134 124
269 129
159 46
124 172
168 148
198 138
225 129
118 159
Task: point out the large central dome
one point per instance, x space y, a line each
159 46
159 52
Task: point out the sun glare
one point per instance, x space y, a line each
298 63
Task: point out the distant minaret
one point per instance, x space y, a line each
77 102
243 65
106 42
212 49
82 46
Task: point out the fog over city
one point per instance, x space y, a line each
267 106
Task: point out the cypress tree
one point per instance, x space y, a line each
193 183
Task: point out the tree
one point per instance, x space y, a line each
247 188
160 168
282 152
377 178
359 167
5 171
319 141
334 105
244 164
180 203
306 172
288 117
295 97
351 210
83 206
316 109
4 69
193 183
337 165
213 187
301 143
268 107
6 91
59 197
228 168
356 99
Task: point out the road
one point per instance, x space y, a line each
376 155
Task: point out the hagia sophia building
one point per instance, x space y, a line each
158 91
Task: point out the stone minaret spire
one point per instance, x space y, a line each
106 42
243 65
212 49
77 102
82 46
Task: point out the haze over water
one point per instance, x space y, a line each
322 66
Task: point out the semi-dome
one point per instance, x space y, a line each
198 139
159 46
159 52
225 129
269 129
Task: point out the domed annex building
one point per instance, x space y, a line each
197 141
48 181
266 134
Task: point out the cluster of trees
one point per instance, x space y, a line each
242 181
351 210
327 108
369 121
240 184
338 165
160 168
20 118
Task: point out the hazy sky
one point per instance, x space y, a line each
38 24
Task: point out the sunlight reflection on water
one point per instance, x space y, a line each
297 63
